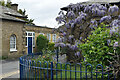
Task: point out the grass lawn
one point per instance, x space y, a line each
73 74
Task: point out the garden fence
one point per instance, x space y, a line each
31 70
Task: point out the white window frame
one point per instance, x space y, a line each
33 36
49 37
54 38
13 49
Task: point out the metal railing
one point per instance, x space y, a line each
31 70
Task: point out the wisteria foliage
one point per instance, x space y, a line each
79 14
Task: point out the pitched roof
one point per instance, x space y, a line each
116 2
108 1
38 26
10 14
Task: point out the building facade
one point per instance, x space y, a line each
12 31
17 38
32 32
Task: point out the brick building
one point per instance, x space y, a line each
34 31
12 28
16 35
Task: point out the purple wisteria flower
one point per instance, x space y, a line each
77 54
72 25
61 31
119 17
80 38
62 45
116 23
82 14
96 9
115 44
71 21
105 18
79 19
56 45
71 36
115 26
60 19
65 29
87 8
74 47
68 45
64 33
108 42
113 9
101 7
59 40
71 14
67 25
94 23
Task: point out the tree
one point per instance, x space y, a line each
78 23
23 12
2 3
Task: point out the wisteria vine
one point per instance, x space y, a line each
81 19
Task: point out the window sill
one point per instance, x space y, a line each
13 50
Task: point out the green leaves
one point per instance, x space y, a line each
41 42
96 47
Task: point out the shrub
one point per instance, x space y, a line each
51 46
41 42
98 45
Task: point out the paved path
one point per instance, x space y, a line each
10 69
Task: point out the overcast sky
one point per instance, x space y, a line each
44 12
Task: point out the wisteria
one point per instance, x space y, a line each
116 23
64 34
115 26
96 9
71 14
68 45
108 42
115 44
105 18
77 54
113 9
80 19
119 17
60 40
93 24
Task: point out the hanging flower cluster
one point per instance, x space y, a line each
78 16
113 9
96 9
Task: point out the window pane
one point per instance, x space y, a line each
54 37
29 34
12 42
33 41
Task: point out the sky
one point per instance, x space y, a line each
44 12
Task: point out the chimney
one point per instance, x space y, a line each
14 7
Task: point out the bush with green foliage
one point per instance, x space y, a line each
51 46
98 45
42 43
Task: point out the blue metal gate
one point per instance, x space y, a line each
31 70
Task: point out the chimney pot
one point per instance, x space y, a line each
14 7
